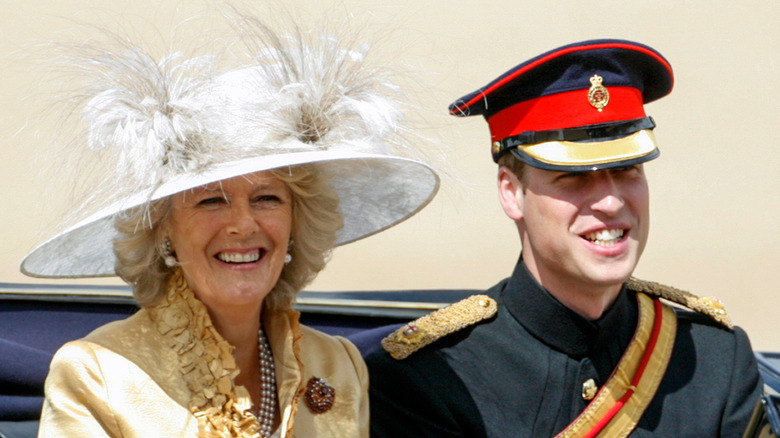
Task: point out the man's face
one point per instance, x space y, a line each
583 230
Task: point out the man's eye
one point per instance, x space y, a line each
569 176
625 169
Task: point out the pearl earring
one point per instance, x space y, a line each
288 256
170 259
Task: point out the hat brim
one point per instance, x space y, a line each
376 192
572 156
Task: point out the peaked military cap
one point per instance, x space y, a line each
578 107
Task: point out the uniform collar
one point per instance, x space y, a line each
557 326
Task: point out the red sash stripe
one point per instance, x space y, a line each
602 423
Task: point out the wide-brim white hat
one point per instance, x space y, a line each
375 191
172 128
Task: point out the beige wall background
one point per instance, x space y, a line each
714 191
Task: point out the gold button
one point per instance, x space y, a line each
589 389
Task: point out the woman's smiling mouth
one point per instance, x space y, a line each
236 257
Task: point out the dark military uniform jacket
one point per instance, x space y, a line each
521 372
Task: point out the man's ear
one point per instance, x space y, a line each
510 193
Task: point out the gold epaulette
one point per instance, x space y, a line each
433 326
710 306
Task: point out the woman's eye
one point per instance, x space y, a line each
212 201
267 198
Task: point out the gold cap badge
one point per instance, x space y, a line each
598 95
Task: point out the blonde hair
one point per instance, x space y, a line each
316 218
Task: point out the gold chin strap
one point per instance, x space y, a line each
621 401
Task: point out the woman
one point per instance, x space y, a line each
227 194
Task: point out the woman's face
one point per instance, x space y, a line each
231 238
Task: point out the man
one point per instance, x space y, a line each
570 345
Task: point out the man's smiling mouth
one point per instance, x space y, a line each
605 237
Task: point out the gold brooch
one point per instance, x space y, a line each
598 96
319 395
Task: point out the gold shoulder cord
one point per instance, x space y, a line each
429 328
709 306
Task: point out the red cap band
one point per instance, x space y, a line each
569 109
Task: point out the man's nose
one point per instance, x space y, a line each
606 194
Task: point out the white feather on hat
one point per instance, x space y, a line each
151 113
174 125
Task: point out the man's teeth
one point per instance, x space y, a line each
605 237
228 257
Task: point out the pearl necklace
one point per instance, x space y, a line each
265 414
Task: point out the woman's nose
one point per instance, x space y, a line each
242 221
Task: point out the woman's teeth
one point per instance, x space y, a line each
250 257
605 237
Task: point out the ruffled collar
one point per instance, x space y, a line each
206 363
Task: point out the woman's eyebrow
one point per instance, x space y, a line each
262 186
213 187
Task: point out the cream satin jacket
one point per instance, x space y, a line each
158 374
